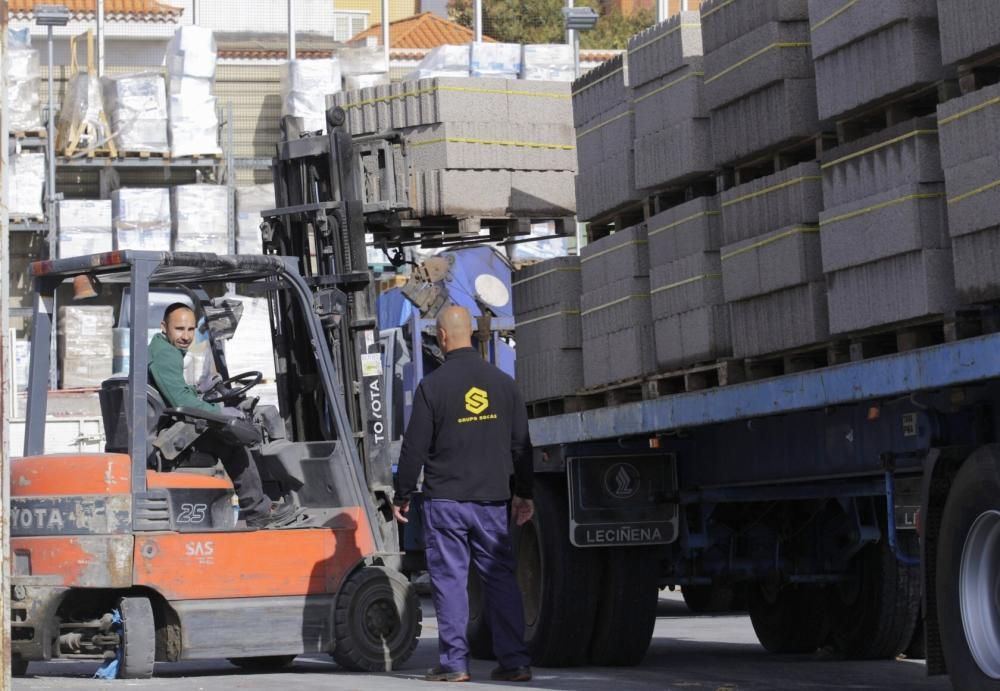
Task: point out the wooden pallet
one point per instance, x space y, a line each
439 231
215 157
30 134
982 71
625 217
696 378
780 158
893 110
665 198
615 393
143 154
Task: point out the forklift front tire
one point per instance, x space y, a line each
138 638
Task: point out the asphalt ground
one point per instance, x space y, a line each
718 652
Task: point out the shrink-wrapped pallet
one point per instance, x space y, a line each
363 67
26 185
141 218
84 227
22 74
551 62
137 104
251 200
191 52
501 60
81 123
86 345
194 121
443 61
201 218
305 84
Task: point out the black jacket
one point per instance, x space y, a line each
468 430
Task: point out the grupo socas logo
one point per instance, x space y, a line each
621 481
476 402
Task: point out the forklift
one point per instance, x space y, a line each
139 555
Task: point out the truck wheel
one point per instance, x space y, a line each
708 599
18 666
138 649
478 633
262 663
376 621
557 580
968 569
874 615
790 619
626 609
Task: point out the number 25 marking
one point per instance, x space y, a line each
192 513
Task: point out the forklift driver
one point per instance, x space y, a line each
166 373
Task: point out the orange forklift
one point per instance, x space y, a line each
138 555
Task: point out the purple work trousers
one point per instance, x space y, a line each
454 531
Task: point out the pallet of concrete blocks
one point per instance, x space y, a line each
616 318
605 132
772 274
672 132
970 153
491 193
884 230
140 217
137 104
690 317
201 218
970 30
84 227
869 51
86 345
547 321
759 82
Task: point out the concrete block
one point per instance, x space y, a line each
549 374
617 256
906 219
690 228
542 193
773 52
548 286
664 48
692 337
492 146
554 329
599 91
674 155
539 102
597 361
610 186
908 286
780 259
968 28
836 23
615 306
447 99
789 318
686 284
632 352
789 197
969 126
461 192
670 99
904 154
779 114
723 22
977 256
973 195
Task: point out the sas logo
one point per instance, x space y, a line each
476 400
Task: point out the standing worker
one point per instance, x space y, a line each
469 432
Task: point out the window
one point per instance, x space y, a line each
348 24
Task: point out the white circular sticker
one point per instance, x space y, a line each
491 290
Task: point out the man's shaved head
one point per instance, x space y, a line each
454 328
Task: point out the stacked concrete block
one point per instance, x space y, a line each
970 153
969 28
779 321
788 197
616 319
759 79
605 129
899 36
547 317
666 74
884 226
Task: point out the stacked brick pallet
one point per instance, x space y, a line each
883 225
547 313
615 313
605 128
672 136
477 147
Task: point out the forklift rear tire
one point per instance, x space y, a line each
790 619
138 649
376 621
477 632
626 608
262 663
18 666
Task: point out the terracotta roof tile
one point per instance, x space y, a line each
425 30
84 9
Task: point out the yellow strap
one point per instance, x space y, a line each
441 87
969 111
545 273
614 302
612 249
973 193
606 122
662 36
667 86
877 207
683 220
773 46
493 142
833 16
609 75
876 147
686 281
716 9
568 313
773 188
780 236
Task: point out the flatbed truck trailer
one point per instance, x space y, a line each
854 506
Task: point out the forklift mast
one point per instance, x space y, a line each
332 189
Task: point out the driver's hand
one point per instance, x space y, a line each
206 385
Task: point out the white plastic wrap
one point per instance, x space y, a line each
22 74
82 105
251 348
141 218
540 250
363 81
363 60
305 84
84 227
86 345
137 104
201 218
194 124
26 185
191 53
495 60
250 201
443 61
548 62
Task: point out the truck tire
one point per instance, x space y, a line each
968 553
376 621
138 648
708 599
790 619
477 633
873 617
262 663
558 581
18 666
626 609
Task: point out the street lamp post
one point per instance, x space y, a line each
577 19
50 16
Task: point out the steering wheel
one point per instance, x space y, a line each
221 393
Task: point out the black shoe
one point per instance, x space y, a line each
281 515
513 674
438 674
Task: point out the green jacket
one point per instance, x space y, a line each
166 373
